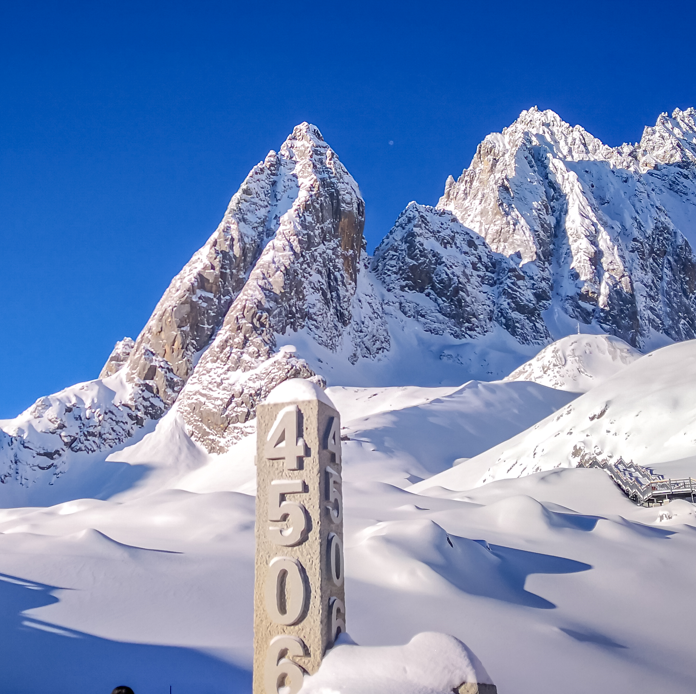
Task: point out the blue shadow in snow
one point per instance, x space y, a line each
494 571
39 658
592 637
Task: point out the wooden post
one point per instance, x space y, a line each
299 607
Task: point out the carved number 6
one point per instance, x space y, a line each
280 671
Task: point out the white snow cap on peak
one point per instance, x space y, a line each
307 132
298 389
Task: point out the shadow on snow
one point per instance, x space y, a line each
40 657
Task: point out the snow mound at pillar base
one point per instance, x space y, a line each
430 663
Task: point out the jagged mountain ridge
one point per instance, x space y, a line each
597 229
504 250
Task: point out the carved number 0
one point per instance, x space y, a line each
285 593
336 559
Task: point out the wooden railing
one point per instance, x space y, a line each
641 484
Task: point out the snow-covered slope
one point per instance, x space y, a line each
646 413
67 430
539 576
401 435
577 362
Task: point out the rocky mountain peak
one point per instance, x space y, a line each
588 223
670 141
195 304
304 280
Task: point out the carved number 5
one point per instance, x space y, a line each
284 442
280 671
278 511
333 494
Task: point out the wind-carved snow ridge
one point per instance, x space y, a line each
577 363
601 232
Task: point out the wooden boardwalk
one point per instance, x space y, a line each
642 485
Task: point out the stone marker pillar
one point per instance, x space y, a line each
299 602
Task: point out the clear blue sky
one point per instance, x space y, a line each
125 127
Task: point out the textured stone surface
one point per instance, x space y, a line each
314 626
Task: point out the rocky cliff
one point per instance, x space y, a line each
305 280
445 276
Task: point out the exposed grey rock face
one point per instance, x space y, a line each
598 229
446 277
118 357
198 298
304 281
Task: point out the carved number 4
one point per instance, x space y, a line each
333 439
284 442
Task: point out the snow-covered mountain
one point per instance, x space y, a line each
547 231
603 235
126 503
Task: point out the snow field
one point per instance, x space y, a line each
554 580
